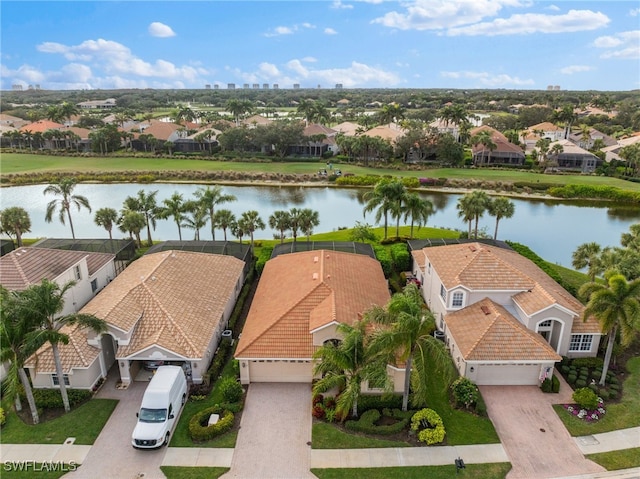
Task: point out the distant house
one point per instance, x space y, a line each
170 306
587 143
613 152
541 130
107 104
573 158
504 153
504 320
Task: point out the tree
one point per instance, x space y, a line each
145 203
15 349
500 207
249 222
485 139
224 219
196 217
346 364
418 209
587 255
309 219
280 220
238 108
363 233
408 336
210 197
632 238
554 152
616 306
64 188
295 222
631 155
67 110
565 116
174 207
132 222
385 197
44 302
472 206
106 217
15 221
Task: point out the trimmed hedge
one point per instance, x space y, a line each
199 431
555 384
265 255
595 192
379 402
429 426
585 398
588 363
382 255
51 398
401 257
366 423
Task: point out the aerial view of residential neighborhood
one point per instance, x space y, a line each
330 239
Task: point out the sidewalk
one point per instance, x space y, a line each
609 441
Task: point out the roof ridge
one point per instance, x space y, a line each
14 260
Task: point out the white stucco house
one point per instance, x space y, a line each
505 321
170 306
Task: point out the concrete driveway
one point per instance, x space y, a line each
536 441
275 433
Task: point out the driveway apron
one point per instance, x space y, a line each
112 455
534 437
275 433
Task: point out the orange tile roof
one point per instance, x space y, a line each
485 331
161 130
41 126
76 354
300 292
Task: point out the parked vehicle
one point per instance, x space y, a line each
161 407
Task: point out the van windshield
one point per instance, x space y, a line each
152 415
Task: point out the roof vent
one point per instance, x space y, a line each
485 310
315 276
328 276
472 248
315 259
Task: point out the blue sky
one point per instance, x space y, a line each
512 44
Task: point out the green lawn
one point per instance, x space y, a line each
614 460
327 436
30 163
621 415
84 423
483 471
175 472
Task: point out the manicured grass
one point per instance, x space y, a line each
175 472
84 423
484 471
327 436
29 163
570 276
621 415
37 470
614 460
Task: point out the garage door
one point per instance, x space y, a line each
508 374
280 371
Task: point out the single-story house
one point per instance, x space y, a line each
504 152
170 306
299 302
504 320
573 158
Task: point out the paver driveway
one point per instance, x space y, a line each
536 441
275 433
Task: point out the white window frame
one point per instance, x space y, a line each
94 285
457 296
54 379
443 293
581 343
77 273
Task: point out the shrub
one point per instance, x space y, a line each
330 415
555 384
546 386
329 402
587 362
317 399
481 407
366 423
593 387
51 398
465 392
604 394
382 255
571 379
219 360
199 430
581 383
565 369
3 418
379 402
231 390
401 257
429 426
265 255
585 398
318 411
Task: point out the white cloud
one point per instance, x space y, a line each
634 12
571 69
572 21
488 79
554 8
309 59
337 4
157 29
623 45
284 30
330 31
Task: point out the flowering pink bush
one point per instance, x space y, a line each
588 415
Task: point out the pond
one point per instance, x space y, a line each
551 228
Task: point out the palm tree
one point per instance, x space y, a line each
250 221
484 138
43 303
587 255
616 306
237 230
418 209
632 238
408 335
196 218
224 219
295 221
280 220
64 188
107 218
174 208
67 110
501 207
308 220
471 207
346 364
555 151
144 203
15 349
15 220
132 222
210 197
385 197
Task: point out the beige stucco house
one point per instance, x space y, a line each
169 306
505 320
300 300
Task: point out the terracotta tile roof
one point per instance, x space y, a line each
385 132
347 128
495 134
300 292
545 126
317 129
161 130
77 354
23 267
255 120
41 126
173 299
83 133
485 331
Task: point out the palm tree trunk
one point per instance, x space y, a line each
179 230
73 235
355 407
407 383
495 234
18 403
607 354
110 235
29 393
469 235
59 372
149 242
475 231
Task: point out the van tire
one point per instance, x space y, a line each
166 439
184 399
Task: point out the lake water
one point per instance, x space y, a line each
553 229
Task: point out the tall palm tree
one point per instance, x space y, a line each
280 220
309 219
632 238
174 207
418 209
210 198
107 218
616 306
408 335
295 222
144 203
250 221
385 197
501 207
587 255
64 188
15 349
484 138
224 219
15 220
195 217
346 364
67 110
471 207
132 222
44 302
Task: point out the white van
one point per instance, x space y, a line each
161 407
